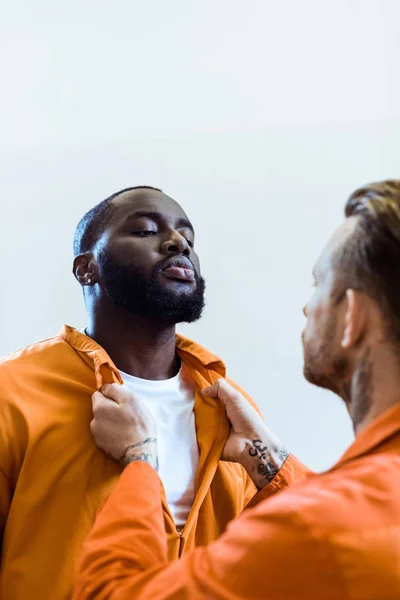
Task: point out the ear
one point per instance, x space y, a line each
354 319
85 270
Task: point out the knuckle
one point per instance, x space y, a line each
97 408
95 399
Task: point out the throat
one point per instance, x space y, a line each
358 391
148 367
374 386
143 351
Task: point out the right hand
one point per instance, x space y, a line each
123 426
250 442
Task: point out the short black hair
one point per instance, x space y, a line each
93 222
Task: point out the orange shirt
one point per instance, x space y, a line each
53 478
334 536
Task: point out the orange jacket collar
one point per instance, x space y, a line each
387 425
83 343
380 430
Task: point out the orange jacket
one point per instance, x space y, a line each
335 536
53 478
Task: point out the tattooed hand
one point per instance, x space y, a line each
264 460
250 442
123 427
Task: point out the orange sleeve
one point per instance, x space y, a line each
11 441
5 501
292 471
267 553
128 536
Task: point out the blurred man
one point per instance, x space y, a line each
335 536
135 259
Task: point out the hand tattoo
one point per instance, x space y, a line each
128 448
132 455
270 460
147 457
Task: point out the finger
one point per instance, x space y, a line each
117 392
99 401
223 391
97 432
211 391
93 427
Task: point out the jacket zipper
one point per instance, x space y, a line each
180 543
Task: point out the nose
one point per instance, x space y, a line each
176 244
305 310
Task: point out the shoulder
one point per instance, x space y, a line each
18 366
32 352
22 382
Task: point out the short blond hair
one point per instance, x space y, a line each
370 258
378 201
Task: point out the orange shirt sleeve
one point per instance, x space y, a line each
292 471
267 553
5 501
10 442
128 535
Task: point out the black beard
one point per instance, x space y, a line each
148 298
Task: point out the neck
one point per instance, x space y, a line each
374 386
136 345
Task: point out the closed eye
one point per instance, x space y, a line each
144 233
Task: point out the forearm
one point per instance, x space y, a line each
125 556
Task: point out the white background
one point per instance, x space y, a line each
259 117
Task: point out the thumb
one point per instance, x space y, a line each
211 391
223 391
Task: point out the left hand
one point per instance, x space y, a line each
246 424
250 442
123 427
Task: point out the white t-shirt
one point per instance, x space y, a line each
172 404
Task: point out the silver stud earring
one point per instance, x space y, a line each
89 280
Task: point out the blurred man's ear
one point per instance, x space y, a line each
354 321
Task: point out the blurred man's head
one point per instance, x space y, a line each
137 249
356 304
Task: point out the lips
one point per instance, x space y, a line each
180 269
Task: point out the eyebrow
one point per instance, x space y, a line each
156 216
